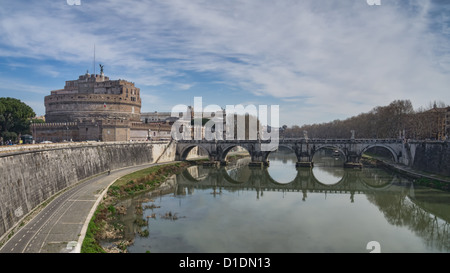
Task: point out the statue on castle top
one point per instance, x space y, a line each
101 68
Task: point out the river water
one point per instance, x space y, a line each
326 209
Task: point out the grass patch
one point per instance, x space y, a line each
126 187
90 242
144 180
433 183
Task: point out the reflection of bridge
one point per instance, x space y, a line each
393 195
353 181
304 149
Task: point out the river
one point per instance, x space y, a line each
281 209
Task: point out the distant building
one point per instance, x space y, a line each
447 124
95 108
157 117
439 118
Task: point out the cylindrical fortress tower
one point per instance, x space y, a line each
94 98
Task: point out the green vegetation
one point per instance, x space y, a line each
15 118
141 222
381 122
144 233
90 244
144 180
432 183
105 217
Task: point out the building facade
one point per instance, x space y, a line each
439 122
447 124
155 117
94 108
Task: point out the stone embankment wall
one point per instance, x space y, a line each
433 157
30 174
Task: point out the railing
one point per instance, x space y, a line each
296 140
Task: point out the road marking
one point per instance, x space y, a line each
71 245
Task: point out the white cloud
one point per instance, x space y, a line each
328 57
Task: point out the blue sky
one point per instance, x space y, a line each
319 60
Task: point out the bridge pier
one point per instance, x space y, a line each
352 161
352 165
222 163
211 163
308 164
304 159
258 164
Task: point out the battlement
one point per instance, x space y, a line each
92 77
151 126
71 96
54 124
98 84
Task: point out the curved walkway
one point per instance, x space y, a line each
61 226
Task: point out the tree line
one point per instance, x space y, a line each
398 119
15 119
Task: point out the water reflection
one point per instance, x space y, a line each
282 165
328 166
238 170
242 209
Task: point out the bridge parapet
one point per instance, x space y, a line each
305 140
304 148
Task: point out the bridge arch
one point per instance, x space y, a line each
274 149
226 150
329 146
187 174
390 149
186 150
228 178
364 180
322 183
275 182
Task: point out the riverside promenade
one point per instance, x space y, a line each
60 226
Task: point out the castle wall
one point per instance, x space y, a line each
29 177
77 107
93 97
55 132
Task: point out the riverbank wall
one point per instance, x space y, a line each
30 175
432 157
419 177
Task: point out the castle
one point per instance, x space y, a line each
95 108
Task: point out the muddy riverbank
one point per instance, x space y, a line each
419 178
106 232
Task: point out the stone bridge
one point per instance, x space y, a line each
304 149
352 181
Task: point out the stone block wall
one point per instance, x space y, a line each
28 178
433 157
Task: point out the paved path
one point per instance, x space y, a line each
60 227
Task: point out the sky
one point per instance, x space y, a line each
319 60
